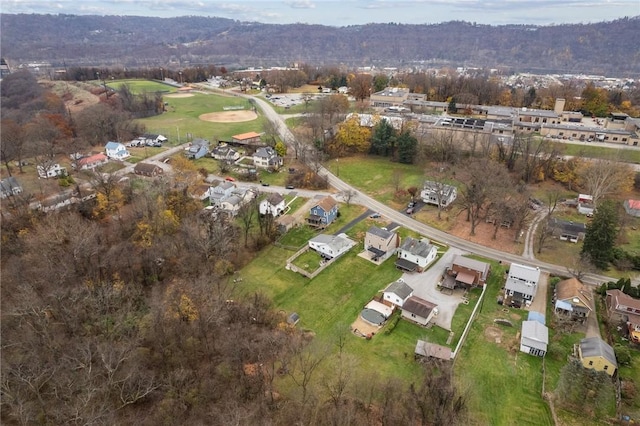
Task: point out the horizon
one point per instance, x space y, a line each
347 13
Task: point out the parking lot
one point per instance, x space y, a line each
425 286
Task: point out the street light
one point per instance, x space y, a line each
337 168
161 74
180 72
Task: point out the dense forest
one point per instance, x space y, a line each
605 48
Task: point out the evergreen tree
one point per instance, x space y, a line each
452 108
600 238
383 139
407 148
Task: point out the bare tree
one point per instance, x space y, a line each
601 178
246 215
348 195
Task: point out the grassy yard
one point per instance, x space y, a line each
181 119
138 86
595 151
308 261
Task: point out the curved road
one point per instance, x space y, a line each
414 225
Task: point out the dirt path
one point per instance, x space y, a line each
539 303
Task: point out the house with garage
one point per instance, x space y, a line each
622 307
48 170
380 244
416 255
147 169
198 149
438 193
151 139
9 187
419 310
534 338
397 293
267 158
596 354
466 272
522 283
572 299
567 230
116 151
274 205
331 246
225 153
323 213
632 207
91 162
221 192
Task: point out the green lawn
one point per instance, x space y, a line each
595 151
181 120
308 261
138 86
298 236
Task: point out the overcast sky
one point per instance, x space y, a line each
348 12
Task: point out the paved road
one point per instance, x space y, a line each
410 223
424 285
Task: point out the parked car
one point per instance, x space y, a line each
265 183
230 179
409 210
411 204
290 187
374 215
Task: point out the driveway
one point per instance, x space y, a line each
424 285
539 302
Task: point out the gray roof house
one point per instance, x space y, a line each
522 282
9 187
596 354
380 243
331 246
567 230
419 310
266 158
397 293
416 255
534 338
438 193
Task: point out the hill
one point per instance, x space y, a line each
600 48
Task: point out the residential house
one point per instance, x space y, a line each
202 192
323 213
632 207
274 205
46 171
331 246
567 230
91 162
534 338
285 223
198 149
267 158
466 272
225 153
597 355
151 139
431 350
380 243
585 204
623 307
419 310
522 282
147 169
397 293
416 255
231 205
9 187
250 138
437 192
221 192
116 151
572 299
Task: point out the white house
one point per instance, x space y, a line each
534 338
331 246
274 205
522 282
221 192
231 205
585 204
437 192
46 171
225 153
266 158
380 243
116 151
397 293
416 255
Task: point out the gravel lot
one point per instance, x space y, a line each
425 286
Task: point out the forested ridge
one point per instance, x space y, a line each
599 48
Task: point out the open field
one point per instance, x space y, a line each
595 151
142 86
182 120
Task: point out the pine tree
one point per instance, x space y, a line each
601 235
